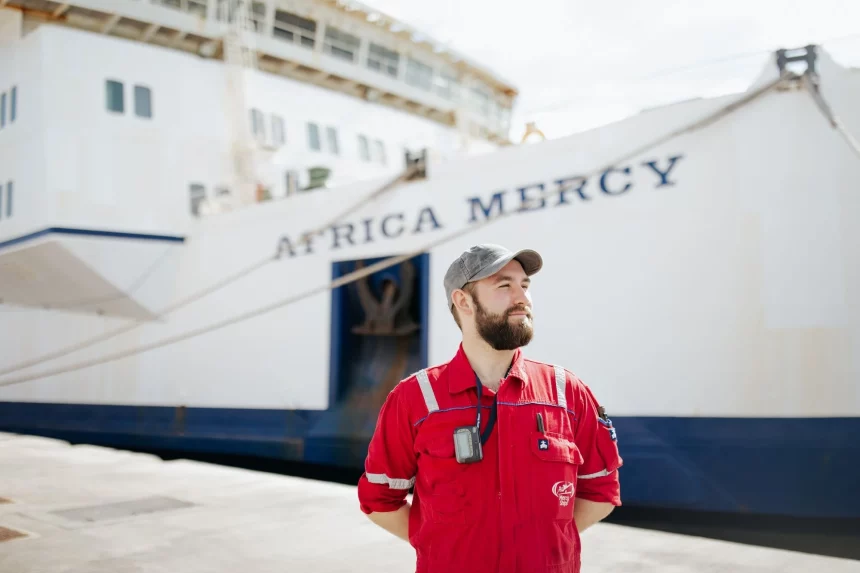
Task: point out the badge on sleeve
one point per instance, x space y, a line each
543 444
606 422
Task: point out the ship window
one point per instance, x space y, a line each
380 152
383 60
9 189
170 3
419 75
142 101
314 136
258 15
13 104
197 7
333 145
291 182
278 131
258 127
295 29
340 44
115 100
3 109
197 194
446 85
363 148
481 101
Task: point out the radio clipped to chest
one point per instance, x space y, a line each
468 440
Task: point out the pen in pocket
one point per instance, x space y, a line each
540 423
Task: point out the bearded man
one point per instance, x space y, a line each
510 458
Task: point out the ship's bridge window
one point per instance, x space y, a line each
295 29
115 99
481 101
258 15
363 148
171 3
197 195
419 75
380 152
383 60
3 110
278 130
9 189
340 44
197 7
445 84
258 128
142 101
13 104
314 137
333 145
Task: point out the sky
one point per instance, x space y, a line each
580 64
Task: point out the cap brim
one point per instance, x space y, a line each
530 260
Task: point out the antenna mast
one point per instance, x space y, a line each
240 58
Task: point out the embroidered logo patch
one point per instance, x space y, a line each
563 490
543 444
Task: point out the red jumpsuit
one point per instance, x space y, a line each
511 512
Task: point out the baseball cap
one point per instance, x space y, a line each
482 261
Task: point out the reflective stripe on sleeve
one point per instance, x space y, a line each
601 473
393 483
427 391
561 386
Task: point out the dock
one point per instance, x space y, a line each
86 509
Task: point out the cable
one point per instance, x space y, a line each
669 71
812 87
408 174
361 273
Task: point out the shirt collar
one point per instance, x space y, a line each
461 376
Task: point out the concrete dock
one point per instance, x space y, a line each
85 509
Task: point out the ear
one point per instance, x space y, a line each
462 301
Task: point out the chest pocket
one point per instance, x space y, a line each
554 464
442 489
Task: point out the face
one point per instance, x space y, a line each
503 308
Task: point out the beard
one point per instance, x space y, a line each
497 330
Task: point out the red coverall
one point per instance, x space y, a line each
511 512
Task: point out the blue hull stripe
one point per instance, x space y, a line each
804 467
90 233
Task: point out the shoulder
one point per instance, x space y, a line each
554 372
413 392
560 377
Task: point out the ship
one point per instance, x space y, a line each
224 227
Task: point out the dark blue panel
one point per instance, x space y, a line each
90 233
805 467
365 366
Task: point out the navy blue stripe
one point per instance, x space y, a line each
804 467
91 233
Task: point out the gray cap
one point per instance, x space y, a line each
482 261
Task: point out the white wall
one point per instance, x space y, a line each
22 142
731 292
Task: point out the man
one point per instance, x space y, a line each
507 487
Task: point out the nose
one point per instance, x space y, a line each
522 297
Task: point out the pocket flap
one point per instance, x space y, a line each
551 447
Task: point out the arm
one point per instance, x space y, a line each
394 522
390 467
586 513
598 488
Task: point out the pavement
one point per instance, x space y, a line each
87 509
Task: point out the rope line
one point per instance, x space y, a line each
406 175
392 261
825 108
